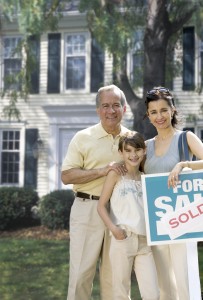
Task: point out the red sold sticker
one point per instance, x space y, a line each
185 220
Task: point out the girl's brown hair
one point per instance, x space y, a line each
133 139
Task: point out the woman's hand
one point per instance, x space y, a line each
173 176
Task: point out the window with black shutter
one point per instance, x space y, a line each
54 49
97 66
188 58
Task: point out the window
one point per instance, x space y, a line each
10 156
12 62
188 58
75 61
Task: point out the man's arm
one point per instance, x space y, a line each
77 175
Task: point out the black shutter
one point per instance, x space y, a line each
188 58
54 63
31 137
34 48
201 53
97 66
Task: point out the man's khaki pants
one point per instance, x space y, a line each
89 241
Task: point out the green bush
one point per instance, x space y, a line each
16 207
54 209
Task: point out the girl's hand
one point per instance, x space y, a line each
119 233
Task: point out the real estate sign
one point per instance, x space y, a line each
173 214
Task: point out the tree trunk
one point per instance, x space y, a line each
155 45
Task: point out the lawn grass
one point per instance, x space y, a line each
38 270
33 269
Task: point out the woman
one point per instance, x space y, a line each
162 156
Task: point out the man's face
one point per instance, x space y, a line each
110 109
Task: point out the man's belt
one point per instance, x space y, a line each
86 196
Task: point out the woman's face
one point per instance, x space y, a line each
160 113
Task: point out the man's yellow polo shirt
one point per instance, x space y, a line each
92 148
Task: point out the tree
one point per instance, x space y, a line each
113 23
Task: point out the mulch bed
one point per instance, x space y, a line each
36 232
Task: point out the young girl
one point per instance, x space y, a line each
126 222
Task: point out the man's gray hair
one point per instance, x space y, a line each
113 88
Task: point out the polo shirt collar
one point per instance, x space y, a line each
100 132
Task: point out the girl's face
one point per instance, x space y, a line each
160 113
132 156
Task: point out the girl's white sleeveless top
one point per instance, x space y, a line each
126 205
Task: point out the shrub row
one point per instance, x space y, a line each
21 207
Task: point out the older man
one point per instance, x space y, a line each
92 153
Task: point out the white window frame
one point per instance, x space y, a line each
5 126
86 55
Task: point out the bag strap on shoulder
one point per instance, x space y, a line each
183 147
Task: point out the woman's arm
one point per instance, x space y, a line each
196 148
106 193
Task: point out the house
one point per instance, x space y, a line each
70 67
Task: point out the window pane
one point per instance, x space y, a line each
10 170
75 76
11 47
75 44
17 135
